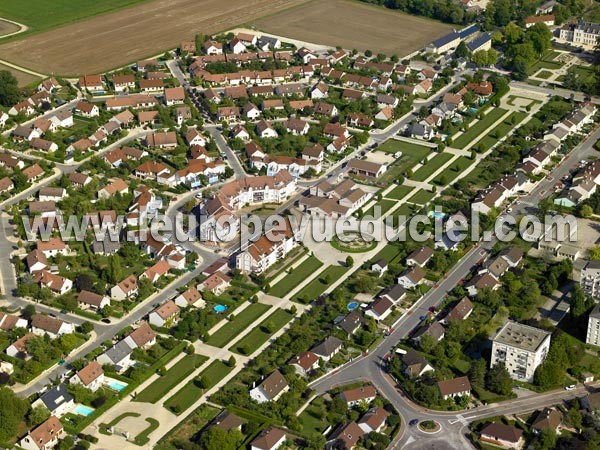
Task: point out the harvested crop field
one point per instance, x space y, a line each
350 25
7 28
112 40
22 77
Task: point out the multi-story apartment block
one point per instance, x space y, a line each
593 328
590 279
521 349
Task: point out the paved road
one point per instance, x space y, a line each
372 366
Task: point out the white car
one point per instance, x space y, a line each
570 387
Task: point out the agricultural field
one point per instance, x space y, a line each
354 25
7 27
101 43
23 78
42 15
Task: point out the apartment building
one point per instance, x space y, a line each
521 349
590 279
581 33
593 328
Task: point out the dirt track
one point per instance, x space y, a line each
354 25
105 42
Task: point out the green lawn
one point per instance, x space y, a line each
500 131
389 252
317 287
385 206
257 337
432 165
175 375
191 392
422 197
406 210
41 15
399 192
299 274
240 322
311 423
411 155
475 130
454 170
545 74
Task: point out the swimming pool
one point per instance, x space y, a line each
83 410
437 215
219 308
352 306
115 385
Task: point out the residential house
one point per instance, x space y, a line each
327 349
359 395
461 311
165 315
434 330
91 376
456 387
142 337
127 288
42 324
269 439
380 309
374 420
547 418
503 436
18 349
304 363
411 277
415 364
345 437
45 436
419 257
270 389
57 400
366 168
91 300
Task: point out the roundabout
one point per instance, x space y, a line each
353 242
429 426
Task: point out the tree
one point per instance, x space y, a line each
586 211
9 89
462 51
498 380
578 303
492 57
203 382
480 58
216 438
231 362
12 412
37 416
349 261
427 343
548 374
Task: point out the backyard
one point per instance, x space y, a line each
320 285
478 128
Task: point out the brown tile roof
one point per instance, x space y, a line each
502 432
461 310
90 373
90 298
46 323
454 386
359 393
305 360
167 310
267 439
274 384
45 432
142 335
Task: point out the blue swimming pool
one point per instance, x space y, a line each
352 306
115 385
437 215
219 308
83 410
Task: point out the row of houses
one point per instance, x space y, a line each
534 163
